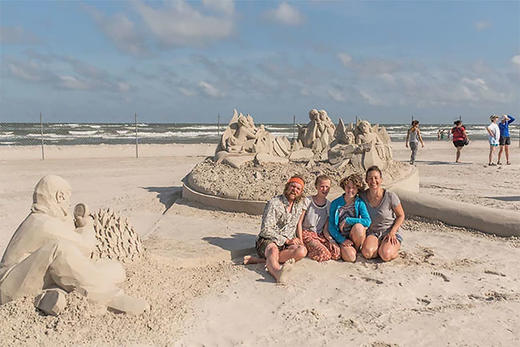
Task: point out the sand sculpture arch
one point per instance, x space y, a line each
244 179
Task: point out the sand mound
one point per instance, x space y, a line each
262 182
169 290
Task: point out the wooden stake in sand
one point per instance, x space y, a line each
136 139
218 126
41 133
293 127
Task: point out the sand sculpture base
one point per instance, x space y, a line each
247 189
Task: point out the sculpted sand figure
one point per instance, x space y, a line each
49 251
326 130
309 133
376 151
244 138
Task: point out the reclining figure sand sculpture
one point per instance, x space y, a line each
51 251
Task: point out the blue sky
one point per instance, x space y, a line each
187 61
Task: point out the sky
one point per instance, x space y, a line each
189 61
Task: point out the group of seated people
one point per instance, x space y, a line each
360 220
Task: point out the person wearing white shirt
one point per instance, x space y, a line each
493 137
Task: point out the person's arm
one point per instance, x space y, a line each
464 133
407 137
299 226
490 132
399 219
364 217
511 119
333 228
420 137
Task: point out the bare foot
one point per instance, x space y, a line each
286 268
249 259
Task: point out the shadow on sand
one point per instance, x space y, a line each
167 195
504 198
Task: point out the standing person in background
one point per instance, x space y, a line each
459 137
494 137
414 137
505 139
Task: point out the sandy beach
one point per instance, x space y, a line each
450 286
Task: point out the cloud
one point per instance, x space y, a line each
285 14
57 72
345 58
516 60
16 35
210 90
224 6
121 31
181 25
482 25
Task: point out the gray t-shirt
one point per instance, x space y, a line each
383 216
316 216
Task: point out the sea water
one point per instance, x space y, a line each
22 134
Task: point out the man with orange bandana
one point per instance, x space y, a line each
279 242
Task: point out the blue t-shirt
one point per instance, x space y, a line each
504 127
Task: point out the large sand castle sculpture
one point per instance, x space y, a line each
252 164
50 254
361 144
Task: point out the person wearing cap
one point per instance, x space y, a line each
505 139
280 240
493 137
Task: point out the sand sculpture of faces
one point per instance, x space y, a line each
49 252
318 133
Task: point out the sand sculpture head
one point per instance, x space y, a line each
313 114
364 127
242 121
323 115
52 196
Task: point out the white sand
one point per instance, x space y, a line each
450 285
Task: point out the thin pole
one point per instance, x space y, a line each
293 127
412 117
218 125
136 139
356 120
41 133
460 117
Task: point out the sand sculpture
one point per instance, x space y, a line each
317 134
252 165
244 142
50 253
116 237
360 145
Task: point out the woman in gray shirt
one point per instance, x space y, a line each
387 215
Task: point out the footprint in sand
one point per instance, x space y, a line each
368 279
441 275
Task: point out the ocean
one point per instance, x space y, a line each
25 134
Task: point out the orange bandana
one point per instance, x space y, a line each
297 180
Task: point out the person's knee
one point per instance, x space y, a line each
369 252
271 249
387 253
349 255
300 252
